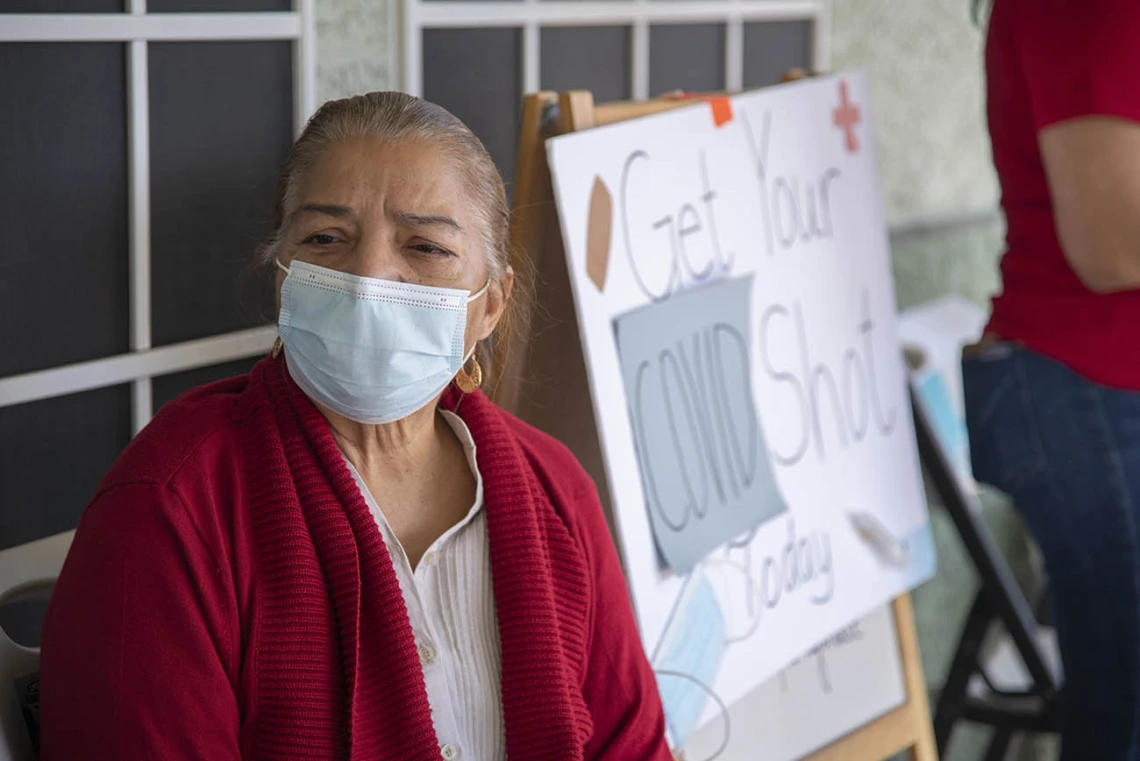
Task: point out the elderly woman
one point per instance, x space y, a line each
351 553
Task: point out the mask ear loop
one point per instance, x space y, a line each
278 344
722 707
480 292
475 297
469 381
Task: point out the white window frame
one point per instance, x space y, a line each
135 28
531 16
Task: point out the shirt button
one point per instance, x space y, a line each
427 654
428 559
449 752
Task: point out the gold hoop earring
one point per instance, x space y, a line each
469 381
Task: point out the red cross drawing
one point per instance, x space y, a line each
846 117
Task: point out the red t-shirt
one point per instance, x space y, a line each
1048 61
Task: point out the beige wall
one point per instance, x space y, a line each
924 62
356 47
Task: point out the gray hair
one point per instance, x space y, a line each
395 117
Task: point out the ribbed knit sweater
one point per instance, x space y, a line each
229 596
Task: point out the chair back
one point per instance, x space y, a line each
27 574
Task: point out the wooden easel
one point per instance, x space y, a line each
542 378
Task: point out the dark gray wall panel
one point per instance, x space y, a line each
167 387
221 125
64 284
594 58
61 6
53 454
686 57
773 47
476 74
216 6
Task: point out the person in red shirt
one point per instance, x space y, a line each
1053 388
351 554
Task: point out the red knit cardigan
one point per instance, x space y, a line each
228 596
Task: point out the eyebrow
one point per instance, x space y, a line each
427 220
326 209
406 217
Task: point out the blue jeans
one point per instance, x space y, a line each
1068 451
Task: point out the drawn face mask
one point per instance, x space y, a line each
372 350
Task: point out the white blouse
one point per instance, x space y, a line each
451 605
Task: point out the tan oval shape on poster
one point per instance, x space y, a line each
599 227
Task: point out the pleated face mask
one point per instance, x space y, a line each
372 350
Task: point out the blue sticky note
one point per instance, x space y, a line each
688 657
949 426
923 555
687 371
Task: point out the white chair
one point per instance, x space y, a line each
26 571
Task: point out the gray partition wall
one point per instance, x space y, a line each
475 74
138 171
478 59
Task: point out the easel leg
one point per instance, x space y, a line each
999 745
953 693
923 750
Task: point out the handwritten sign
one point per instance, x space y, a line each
702 455
846 681
776 189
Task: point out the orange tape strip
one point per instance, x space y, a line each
722 111
720 104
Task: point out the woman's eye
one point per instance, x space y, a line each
429 248
321 239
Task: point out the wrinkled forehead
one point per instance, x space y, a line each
368 174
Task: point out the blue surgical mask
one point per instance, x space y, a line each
372 350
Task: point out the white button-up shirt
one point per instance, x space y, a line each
451 605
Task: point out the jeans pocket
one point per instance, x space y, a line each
1005 444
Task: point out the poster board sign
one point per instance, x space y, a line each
842 683
779 189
